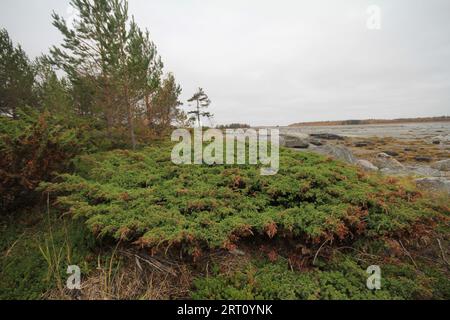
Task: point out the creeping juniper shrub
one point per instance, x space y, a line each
35 146
143 197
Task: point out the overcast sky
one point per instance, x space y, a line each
279 62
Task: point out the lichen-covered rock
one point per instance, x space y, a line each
294 142
385 161
366 165
337 152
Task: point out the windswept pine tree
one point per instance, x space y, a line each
202 101
106 49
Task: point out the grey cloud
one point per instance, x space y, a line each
268 63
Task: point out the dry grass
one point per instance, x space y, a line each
135 275
129 275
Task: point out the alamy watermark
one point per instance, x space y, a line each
71 15
374 280
74 280
374 17
229 148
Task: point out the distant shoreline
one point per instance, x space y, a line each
370 121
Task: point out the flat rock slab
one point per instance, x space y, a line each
327 136
423 159
426 171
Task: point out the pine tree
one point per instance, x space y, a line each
54 94
202 101
106 49
166 105
16 77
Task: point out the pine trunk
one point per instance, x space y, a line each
131 127
130 119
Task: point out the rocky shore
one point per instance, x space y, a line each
425 159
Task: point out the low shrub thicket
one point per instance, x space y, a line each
35 146
144 198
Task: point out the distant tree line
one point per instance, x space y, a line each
234 126
372 121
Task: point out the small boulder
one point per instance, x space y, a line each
385 161
366 165
443 165
296 144
293 142
337 152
